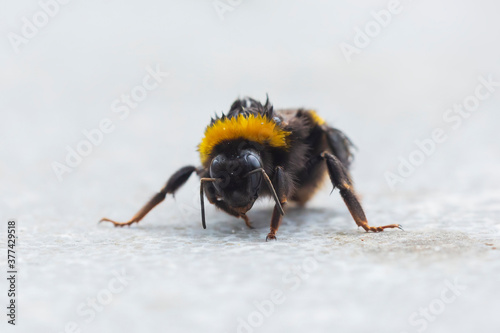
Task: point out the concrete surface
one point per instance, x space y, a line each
331 275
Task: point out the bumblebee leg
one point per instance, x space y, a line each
247 221
174 183
341 180
339 144
282 183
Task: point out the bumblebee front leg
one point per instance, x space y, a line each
174 183
282 184
340 179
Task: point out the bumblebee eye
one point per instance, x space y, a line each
217 170
255 179
215 166
253 161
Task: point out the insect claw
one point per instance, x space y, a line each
268 237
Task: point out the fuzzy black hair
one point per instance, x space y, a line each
247 106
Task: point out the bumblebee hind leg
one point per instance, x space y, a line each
340 145
312 177
340 179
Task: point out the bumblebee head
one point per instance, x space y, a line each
239 178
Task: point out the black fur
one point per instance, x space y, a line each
296 171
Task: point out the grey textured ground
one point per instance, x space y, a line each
187 278
329 275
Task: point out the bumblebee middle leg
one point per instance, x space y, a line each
341 180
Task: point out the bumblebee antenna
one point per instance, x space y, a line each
270 186
202 199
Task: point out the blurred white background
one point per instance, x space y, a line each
64 79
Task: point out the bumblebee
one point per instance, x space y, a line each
255 151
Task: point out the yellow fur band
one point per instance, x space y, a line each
317 119
257 129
